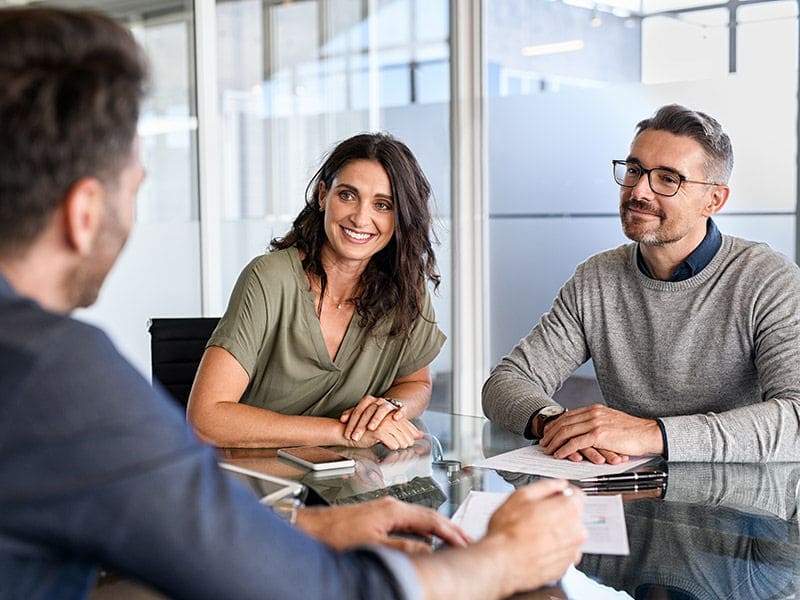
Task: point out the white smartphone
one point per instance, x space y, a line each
316 458
268 488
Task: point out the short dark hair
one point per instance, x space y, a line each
71 84
703 129
395 279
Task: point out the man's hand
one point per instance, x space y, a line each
540 531
600 434
371 523
531 541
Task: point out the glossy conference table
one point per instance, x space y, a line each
719 531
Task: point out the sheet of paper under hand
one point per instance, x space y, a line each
533 460
603 517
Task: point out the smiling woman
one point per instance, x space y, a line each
320 331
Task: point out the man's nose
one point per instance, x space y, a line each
642 186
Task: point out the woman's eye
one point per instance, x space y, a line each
346 195
383 206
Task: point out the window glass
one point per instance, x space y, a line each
158 273
685 46
294 79
567 81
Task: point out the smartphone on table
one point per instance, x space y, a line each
316 458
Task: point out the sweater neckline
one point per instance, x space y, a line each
687 284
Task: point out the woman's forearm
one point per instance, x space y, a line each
235 425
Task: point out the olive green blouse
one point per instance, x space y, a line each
272 329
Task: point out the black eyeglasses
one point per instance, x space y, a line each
664 182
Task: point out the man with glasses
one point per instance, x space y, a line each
694 335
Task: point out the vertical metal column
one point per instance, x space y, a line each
797 160
468 184
208 161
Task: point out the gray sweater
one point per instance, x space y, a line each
716 356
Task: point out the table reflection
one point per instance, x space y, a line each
719 531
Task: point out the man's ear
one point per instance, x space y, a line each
84 205
717 199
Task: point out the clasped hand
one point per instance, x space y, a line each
375 420
601 435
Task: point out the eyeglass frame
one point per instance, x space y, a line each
681 178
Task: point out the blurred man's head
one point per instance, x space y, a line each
71 84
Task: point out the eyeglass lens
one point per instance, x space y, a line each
662 181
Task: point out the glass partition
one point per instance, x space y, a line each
568 81
294 79
158 273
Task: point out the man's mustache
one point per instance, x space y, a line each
642 207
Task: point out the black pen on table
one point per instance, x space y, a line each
619 489
623 477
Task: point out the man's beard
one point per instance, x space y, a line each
654 237
88 277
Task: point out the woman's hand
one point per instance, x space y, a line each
394 434
368 415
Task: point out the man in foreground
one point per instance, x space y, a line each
694 334
96 466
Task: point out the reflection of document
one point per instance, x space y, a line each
605 521
533 460
603 517
577 585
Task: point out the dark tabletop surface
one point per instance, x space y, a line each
719 531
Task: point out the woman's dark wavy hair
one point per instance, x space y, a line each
395 278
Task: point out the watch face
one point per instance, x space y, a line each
551 411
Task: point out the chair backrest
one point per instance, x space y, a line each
176 347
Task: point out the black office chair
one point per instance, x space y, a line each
176 347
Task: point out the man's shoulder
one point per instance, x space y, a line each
606 261
56 365
760 257
28 331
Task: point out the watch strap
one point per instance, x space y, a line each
536 419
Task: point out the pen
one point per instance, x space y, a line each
645 476
613 489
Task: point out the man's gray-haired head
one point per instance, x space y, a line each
703 129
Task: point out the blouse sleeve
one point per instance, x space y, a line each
424 342
242 328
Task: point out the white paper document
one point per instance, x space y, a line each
603 518
533 460
580 586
